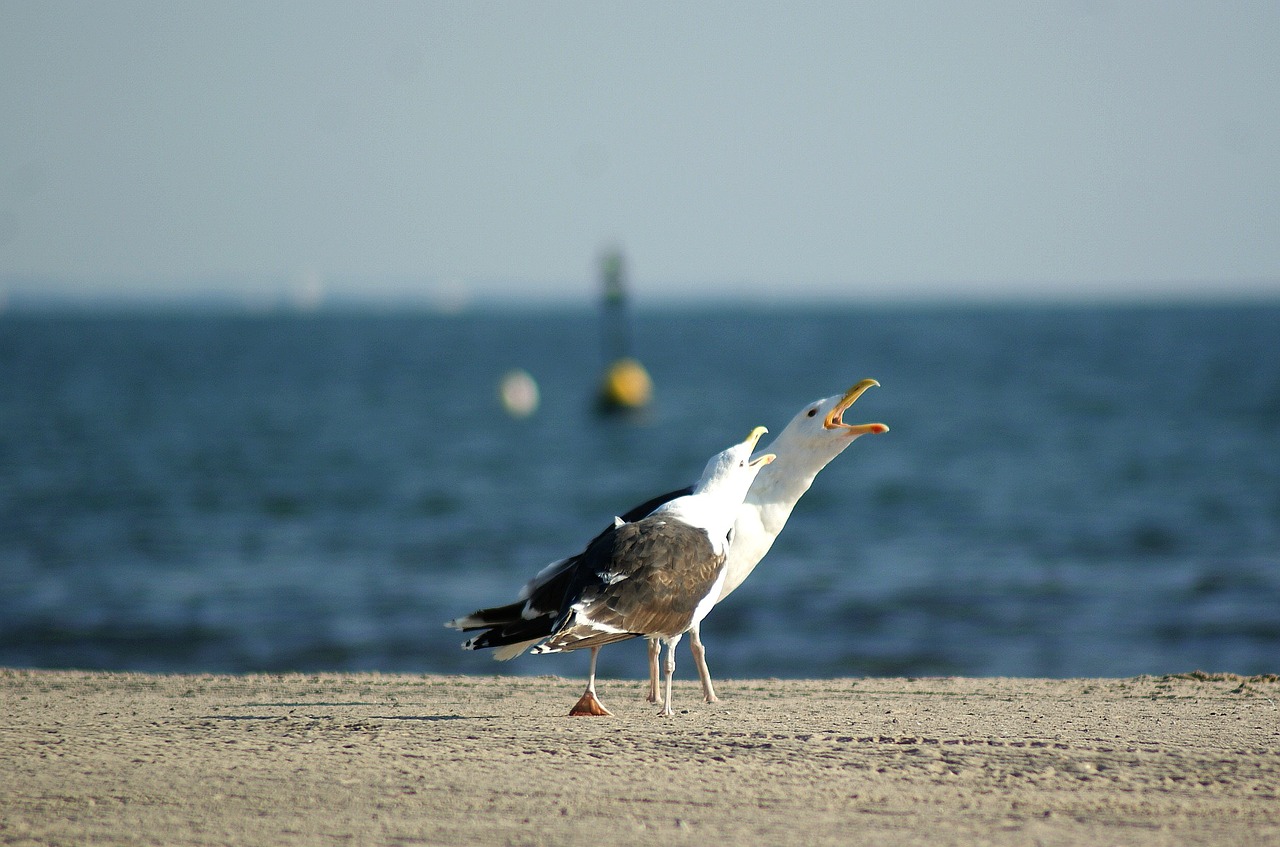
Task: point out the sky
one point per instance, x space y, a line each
808 151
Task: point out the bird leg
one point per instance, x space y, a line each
669 668
655 654
700 659
588 705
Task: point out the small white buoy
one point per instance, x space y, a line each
519 393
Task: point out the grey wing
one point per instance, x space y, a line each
658 571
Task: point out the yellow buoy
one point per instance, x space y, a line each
626 385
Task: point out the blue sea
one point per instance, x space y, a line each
1065 490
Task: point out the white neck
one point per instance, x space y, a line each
779 486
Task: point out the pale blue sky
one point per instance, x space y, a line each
792 149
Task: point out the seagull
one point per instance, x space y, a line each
655 576
815 436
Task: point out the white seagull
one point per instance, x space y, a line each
815 436
654 577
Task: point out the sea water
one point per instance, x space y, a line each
1064 491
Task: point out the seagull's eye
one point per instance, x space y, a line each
813 411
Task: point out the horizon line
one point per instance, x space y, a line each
232 303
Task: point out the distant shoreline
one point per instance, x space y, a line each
32 301
371 758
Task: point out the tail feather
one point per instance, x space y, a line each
495 616
524 633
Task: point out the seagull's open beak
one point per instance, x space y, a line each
754 437
834 418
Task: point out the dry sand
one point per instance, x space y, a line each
88 758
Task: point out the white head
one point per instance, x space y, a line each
716 498
730 472
818 433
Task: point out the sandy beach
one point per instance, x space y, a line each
102 758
